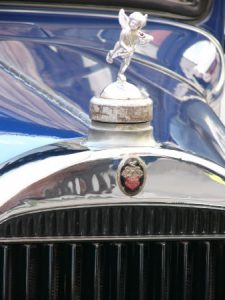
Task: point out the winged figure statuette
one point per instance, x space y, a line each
130 36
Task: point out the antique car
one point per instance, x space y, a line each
112 186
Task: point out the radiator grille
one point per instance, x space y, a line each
167 270
117 221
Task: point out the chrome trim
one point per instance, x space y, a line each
192 86
65 181
105 135
22 240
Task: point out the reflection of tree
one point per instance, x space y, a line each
25 96
76 181
81 184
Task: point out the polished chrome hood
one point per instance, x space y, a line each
71 176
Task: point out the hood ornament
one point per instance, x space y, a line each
130 36
121 115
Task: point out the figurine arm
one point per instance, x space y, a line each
145 38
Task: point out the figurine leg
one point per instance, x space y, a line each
112 53
123 67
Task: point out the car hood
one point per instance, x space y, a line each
52 62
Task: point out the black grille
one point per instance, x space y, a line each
117 221
167 270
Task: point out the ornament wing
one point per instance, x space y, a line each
123 19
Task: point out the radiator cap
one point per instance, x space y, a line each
121 102
122 113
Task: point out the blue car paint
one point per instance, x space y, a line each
214 22
51 64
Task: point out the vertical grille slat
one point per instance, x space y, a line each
105 217
149 220
97 271
74 271
202 275
119 292
50 271
116 221
94 222
164 271
6 274
54 268
208 267
181 270
141 271
118 271
83 215
185 272
127 220
92 271
32 280
72 275
28 292
138 216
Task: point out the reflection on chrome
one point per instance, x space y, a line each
89 178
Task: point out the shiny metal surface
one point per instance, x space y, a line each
130 36
122 91
197 237
122 102
88 178
106 135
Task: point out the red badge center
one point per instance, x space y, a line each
132 176
132 183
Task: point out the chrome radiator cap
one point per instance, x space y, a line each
121 103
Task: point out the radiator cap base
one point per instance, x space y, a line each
121 102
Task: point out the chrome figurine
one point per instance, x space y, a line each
130 36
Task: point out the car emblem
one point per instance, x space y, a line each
131 175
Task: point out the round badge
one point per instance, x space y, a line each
131 175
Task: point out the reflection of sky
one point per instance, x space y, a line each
25 96
99 78
201 54
12 144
